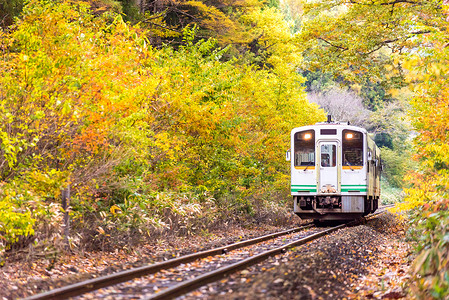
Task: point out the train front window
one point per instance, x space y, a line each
328 155
352 148
304 148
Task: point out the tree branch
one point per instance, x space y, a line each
333 45
159 15
386 42
385 3
400 1
161 26
183 12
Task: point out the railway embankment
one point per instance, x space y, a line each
369 261
362 262
31 274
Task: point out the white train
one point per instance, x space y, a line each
335 171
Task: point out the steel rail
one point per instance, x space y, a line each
122 276
381 210
194 283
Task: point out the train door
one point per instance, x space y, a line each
328 177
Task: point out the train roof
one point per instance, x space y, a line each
342 125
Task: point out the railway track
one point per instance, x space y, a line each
164 281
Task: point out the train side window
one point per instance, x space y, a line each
352 148
304 148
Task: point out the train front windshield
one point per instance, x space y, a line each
304 148
352 148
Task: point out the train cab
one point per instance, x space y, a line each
335 171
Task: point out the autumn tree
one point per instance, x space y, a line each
360 39
139 133
398 43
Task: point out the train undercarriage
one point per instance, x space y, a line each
334 207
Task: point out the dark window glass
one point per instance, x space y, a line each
328 131
352 148
328 155
305 148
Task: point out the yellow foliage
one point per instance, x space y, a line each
86 101
211 17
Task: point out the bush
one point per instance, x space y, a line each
390 194
431 267
396 164
27 206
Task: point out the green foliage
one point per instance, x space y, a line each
390 194
395 166
431 232
130 11
393 129
26 205
16 219
9 9
375 94
319 81
384 139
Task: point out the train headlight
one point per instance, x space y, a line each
349 136
307 136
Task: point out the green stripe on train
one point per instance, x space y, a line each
344 188
313 185
353 187
303 188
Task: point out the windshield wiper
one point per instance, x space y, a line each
310 163
349 165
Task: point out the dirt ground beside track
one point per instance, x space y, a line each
370 261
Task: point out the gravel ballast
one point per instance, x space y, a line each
368 261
